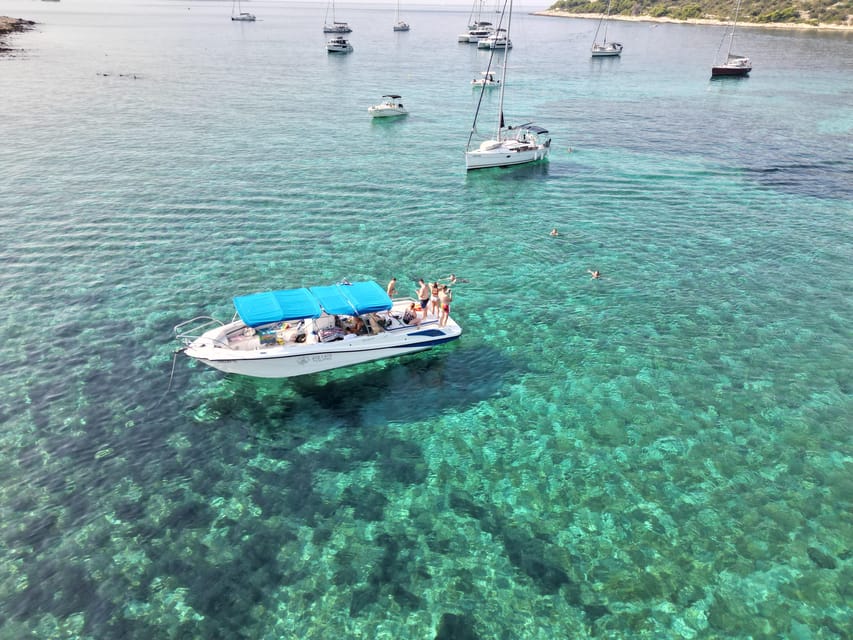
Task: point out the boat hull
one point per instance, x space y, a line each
504 157
612 50
384 111
730 72
335 47
290 360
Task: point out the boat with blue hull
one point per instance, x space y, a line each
293 332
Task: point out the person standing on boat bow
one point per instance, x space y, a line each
392 288
423 296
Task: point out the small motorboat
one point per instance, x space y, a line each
293 332
338 45
488 80
391 106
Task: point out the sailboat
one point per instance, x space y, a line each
477 28
334 26
605 49
238 15
511 145
400 25
734 64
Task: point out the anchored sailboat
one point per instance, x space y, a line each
334 26
605 49
238 15
400 25
734 64
511 145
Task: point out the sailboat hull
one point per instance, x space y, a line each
507 154
610 50
730 71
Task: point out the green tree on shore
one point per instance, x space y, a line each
757 11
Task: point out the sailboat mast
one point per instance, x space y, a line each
734 26
503 71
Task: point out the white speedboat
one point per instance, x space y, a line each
388 108
280 334
338 45
488 80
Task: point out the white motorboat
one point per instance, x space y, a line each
238 15
488 79
511 145
338 44
280 334
334 26
391 106
605 49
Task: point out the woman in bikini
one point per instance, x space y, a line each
433 298
445 297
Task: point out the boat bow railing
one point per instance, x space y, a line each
192 329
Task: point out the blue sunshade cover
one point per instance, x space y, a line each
356 298
275 306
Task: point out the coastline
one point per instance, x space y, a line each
701 21
12 25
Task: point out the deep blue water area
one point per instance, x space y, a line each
664 452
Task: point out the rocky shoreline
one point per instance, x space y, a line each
12 25
763 25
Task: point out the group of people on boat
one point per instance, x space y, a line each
434 300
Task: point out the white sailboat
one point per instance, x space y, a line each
735 64
477 28
605 49
400 25
511 145
334 26
238 15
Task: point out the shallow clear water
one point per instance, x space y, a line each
664 452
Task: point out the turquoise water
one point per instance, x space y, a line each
664 453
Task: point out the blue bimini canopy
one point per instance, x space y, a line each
333 300
366 297
276 306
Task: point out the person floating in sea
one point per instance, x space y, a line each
596 274
554 232
452 279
